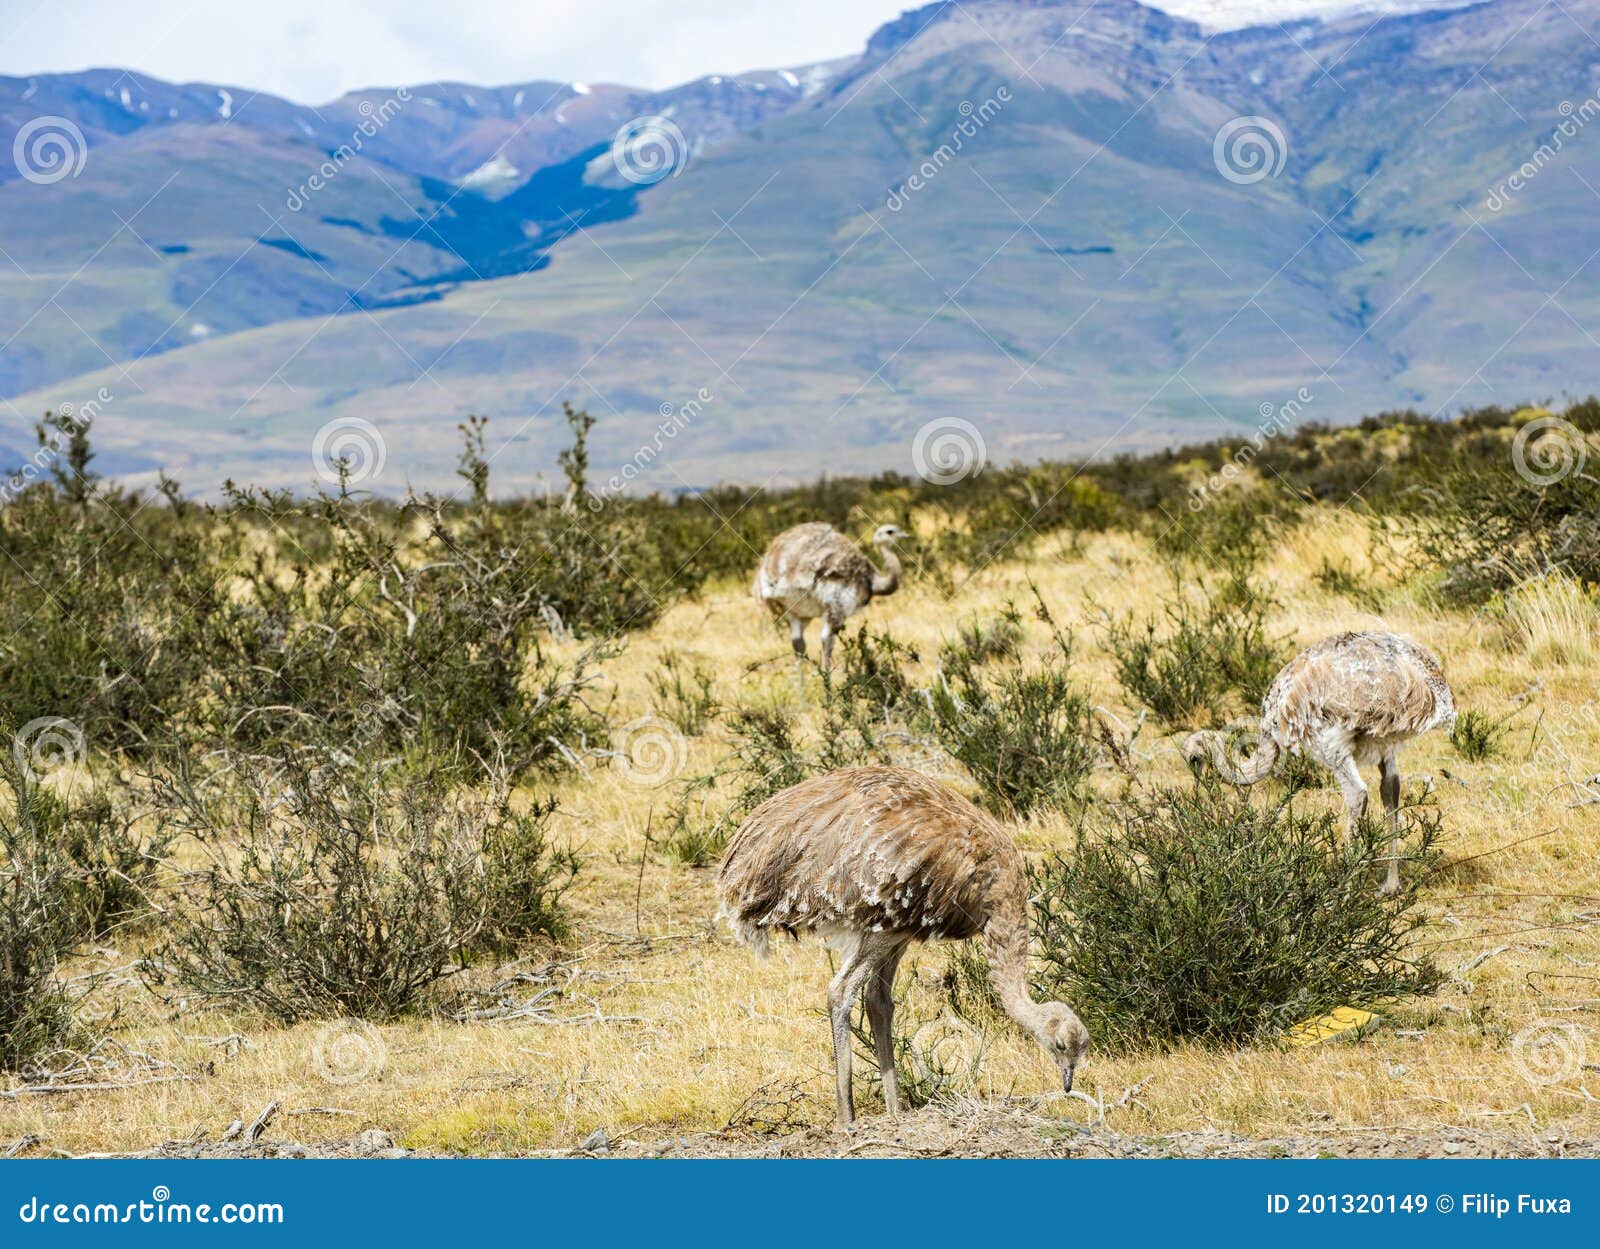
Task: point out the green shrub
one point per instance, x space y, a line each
684 693
979 641
1203 656
1521 501
332 890
113 857
1476 736
374 649
1233 532
41 922
872 680
336 620
1194 915
692 837
525 874
100 595
1024 733
1339 579
1296 772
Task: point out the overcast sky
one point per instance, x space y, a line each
313 50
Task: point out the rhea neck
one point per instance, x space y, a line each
1248 771
1005 940
887 581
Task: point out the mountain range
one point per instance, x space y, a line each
1078 227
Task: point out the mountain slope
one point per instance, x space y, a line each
1016 214
202 210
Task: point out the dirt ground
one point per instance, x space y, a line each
960 1129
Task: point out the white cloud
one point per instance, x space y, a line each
313 50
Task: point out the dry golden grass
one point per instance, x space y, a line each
664 1026
1554 618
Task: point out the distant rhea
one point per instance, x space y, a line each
874 859
1345 701
814 570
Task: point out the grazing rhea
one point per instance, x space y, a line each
814 570
874 859
1345 701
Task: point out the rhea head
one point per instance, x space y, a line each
1197 748
1064 1038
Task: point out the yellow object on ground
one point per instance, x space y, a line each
1341 1021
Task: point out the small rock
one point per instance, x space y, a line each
292 1151
1452 1147
234 1128
597 1142
376 1140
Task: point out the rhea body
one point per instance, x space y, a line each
874 859
814 572
1348 701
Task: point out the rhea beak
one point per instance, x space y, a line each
1066 1080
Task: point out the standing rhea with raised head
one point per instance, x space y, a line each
1345 701
814 570
874 859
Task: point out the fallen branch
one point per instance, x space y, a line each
253 1133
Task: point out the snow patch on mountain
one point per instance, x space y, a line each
816 78
1239 14
494 174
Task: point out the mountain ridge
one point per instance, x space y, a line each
1083 274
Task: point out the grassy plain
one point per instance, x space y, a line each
659 1026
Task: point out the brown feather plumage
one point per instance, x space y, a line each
872 849
807 554
1348 700
876 858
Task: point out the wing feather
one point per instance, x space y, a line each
869 849
1379 684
